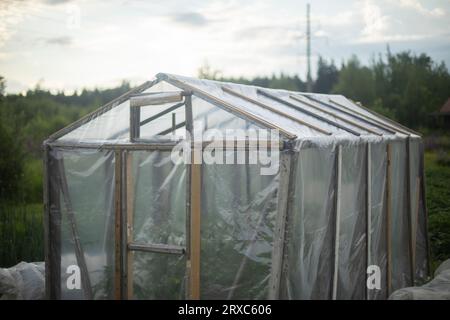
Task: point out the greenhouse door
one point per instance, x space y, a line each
155 261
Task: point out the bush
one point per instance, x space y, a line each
21 234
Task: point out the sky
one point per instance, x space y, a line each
67 45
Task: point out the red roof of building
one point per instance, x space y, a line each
446 107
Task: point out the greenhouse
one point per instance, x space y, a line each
275 195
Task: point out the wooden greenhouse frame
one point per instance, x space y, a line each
333 113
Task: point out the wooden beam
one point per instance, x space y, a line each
52 226
309 113
275 110
160 114
156 248
424 204
96 113
388 221
135 120
363 117
174 122
155 98
368 210
348 121
337 221
130 215
285 193
350 113
168 145
117 222
416 217
395 124
239 112
409 209
195 236
172 128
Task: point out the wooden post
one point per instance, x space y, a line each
337 220
416 217
424 204
52 227
174 123
284 193
123 226
193 210
130 214
135 123
195 236
117 223
388 221
410 208
368 209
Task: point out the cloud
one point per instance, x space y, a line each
59 41
193 19
375 22
56 2
418 7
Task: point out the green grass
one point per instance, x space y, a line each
21 234
437 172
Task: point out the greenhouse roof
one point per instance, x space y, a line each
224 105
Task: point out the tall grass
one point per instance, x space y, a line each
21 233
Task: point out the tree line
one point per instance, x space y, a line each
404 86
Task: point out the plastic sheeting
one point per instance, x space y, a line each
159 217
378 241
24 281
86 178
437 289
309 242
238 217
401 256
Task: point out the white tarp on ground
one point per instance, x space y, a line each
436 289
24 281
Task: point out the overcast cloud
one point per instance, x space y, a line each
68 45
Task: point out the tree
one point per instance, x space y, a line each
327 76
356 82
2 85
206 72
